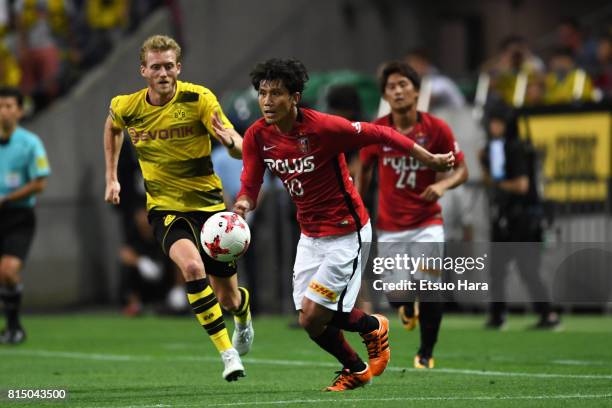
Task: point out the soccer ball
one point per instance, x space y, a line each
225 236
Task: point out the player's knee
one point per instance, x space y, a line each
9 272
229 301
310 322
304 320
8 278
193 270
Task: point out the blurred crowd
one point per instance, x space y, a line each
47 45
576 67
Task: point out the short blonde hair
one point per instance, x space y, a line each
159 43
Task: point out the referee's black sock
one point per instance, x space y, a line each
11 296
430 317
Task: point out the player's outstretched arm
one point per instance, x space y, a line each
113 139
228 136
359 134
437 162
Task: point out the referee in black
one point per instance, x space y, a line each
517 215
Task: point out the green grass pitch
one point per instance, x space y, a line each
110 361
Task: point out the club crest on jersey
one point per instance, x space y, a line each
420 138
304 144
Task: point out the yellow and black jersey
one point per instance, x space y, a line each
173 147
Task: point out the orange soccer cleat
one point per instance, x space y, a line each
377 342
346 380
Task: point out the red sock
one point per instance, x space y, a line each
355 321
332 340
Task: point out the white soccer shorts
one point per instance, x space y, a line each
426 242
327 270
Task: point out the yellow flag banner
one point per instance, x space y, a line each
575 150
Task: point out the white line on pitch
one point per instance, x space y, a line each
293 363
414 399
386 399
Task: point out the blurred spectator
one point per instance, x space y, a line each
146 275
42 26
565 82
603 73
514 60
583 49
535 91
5 17
517 215
107 15
105 22
457 214
55 42
343 100
444 93
10 74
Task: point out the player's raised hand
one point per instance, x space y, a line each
113 188
228 136
437 162
241 207
443 162
224 134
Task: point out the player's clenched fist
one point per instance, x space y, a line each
113 188
241 207
443 162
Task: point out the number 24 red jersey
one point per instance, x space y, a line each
402 178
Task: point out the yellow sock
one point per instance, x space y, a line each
208 312
243 314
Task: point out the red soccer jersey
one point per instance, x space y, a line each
310 162
402 178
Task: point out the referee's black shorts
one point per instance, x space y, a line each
170 226
17 227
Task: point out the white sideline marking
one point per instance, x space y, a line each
388 399
300 363
77 355
480 398
579 362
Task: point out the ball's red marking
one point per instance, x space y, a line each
215 247
233 220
